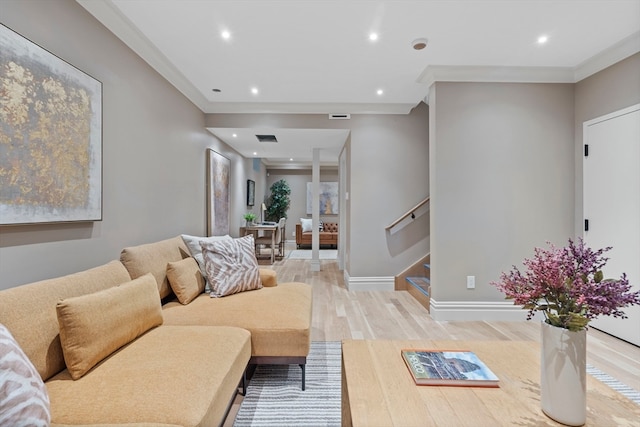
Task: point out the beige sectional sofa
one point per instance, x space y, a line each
134 355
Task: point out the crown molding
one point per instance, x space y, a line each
111 17
616 53
308 108
498 74
489 74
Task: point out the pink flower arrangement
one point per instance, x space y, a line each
567 285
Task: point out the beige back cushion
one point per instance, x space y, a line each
29 312
185 279
153 258
94 326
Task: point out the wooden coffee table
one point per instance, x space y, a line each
377 389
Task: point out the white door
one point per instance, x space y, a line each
612 205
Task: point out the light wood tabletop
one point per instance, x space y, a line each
378 390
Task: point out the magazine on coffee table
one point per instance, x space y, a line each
448 368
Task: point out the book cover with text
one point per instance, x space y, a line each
448 368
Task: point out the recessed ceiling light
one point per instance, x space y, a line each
254 90
379 91
543 39
291 160
255 153
235 135
419 44
225 35
373 37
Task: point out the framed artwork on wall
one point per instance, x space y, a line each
217 194
251 192
50 137
328 198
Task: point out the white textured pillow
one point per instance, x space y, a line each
193 243
23 396
231 266
306 224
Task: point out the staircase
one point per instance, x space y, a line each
417 281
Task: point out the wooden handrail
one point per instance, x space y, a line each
409 213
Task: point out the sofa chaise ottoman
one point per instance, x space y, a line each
278 316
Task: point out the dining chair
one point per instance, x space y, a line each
277 241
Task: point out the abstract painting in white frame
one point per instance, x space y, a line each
329 199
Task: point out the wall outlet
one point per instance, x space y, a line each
471 282
293 233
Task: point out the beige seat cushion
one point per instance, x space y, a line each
279 318
190 384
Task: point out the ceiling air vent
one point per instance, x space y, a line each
339 116
266 138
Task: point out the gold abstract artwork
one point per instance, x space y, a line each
50 137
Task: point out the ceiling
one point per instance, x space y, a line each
316 56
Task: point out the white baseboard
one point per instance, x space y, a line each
476 310
369 283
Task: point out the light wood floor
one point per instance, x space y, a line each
340 314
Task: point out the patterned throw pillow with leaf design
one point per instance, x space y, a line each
23 396
231 266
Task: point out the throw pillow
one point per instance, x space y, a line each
306 224
321 228
95 325
193 244
185 279
24 400
231 266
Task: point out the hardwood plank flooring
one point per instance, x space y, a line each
340 314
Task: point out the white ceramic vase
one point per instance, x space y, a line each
563 376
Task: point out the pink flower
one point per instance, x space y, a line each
567 285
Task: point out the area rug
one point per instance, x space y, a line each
306 254
275 397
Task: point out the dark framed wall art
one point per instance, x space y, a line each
50 137
251 192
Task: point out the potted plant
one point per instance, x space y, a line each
567 286
279 200
249 217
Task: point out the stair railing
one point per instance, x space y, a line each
409 213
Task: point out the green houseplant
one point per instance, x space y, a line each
249 217
279 200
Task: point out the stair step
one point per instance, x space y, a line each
420 283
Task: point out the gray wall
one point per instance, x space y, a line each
502 167
297 180
612 89
154 143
